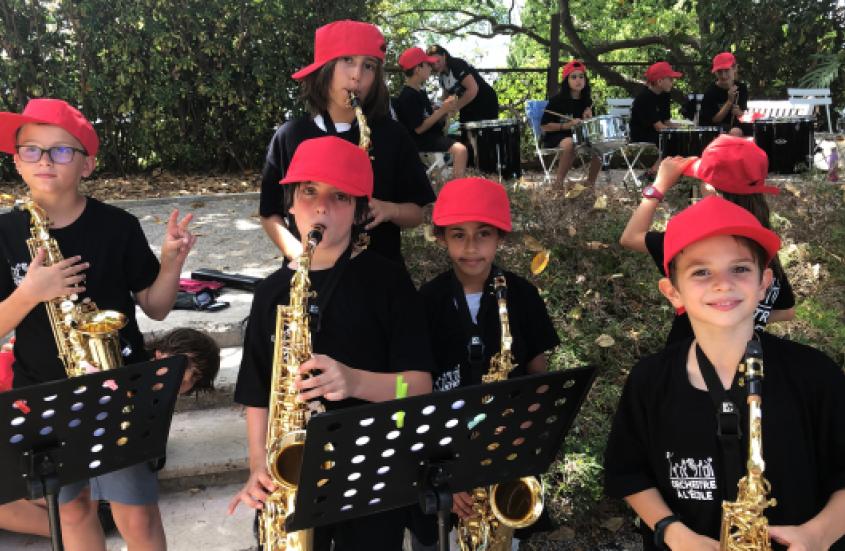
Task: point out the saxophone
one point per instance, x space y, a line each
286 416
743 525
364 130
86 337
503 507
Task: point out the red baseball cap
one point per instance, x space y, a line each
710 217
342 38
334 161
472 200
724 60
574 65
412 57
733 165
661 69
48 111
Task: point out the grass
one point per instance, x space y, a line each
592 287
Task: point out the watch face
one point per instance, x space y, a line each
649 192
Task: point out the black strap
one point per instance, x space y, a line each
728 425
331 130
315 310
473 331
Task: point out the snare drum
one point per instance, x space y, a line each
788 142
601 134
495 145
686 142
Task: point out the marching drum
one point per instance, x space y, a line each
686 142
495 144
602 134
788 142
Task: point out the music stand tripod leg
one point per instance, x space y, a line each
435 497
42 470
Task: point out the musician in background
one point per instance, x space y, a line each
726 100
650 110
566 110
477 101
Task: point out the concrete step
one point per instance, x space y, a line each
224 384
206 447
194 519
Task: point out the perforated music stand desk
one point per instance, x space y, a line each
357 462
61 432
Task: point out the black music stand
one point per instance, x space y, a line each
357 462
61 432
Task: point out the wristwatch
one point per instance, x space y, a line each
651 192
660 531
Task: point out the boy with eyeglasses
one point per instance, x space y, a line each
107 259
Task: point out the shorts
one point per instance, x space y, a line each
135 485
434 142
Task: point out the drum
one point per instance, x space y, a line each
788 142
601 134
495 146
686 142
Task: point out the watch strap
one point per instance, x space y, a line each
651 192
660 531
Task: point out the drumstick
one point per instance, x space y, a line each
566 118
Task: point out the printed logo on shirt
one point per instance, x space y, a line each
692 479
19 272
448 379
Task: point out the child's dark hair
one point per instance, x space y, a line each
359 220
756 204
437 49
200 348
758 253
410 72
586 93
440 231
315 92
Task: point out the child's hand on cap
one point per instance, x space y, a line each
178 241
670 171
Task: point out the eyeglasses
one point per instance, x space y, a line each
59 154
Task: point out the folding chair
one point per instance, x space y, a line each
435 161
621 107
812 96
534 113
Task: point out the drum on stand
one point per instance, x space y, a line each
603 134
495 144
686 142
788 142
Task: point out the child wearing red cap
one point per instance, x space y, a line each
414 110
726 100
349 57
650 110
735 168
575 103
471 218
369 327
107 259
671 456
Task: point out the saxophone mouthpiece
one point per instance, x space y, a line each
316 234
354 102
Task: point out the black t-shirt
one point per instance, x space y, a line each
532 330
112 241
647 109
485 105
412 109
664 436
713 100
398 174
565 104
779 295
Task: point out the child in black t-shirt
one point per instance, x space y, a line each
726 100
650 110
414 110
107 259
370 328
471 217
566 110
664 455
477 100
736 169
349 57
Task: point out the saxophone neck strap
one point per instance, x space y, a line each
353 134
474 331
324 295
728 425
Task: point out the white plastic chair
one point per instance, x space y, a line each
812 96
534 113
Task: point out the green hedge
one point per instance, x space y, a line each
186 85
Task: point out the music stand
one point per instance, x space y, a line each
61 432
358 462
